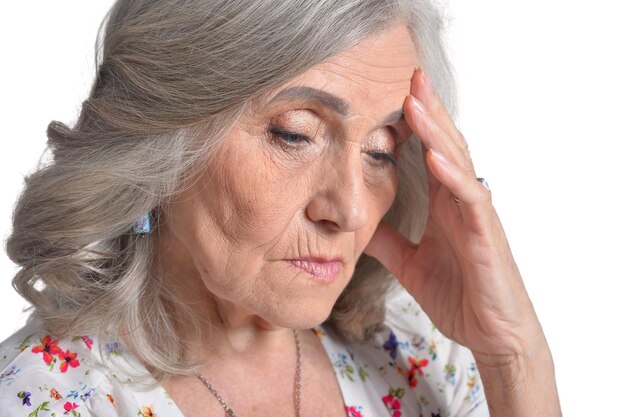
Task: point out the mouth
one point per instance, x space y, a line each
323 270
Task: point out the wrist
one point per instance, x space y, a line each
521 383
524 356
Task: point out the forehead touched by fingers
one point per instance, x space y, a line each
372 78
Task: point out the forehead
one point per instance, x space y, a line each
372 77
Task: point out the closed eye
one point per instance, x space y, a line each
383 157
289 137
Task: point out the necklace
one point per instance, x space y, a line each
297 381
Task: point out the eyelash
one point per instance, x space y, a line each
285 138
384 157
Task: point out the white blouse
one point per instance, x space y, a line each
407 369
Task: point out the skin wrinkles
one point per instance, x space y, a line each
338 105
381 144
266 199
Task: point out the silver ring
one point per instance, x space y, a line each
484 183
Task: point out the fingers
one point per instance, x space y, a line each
422 89
428 117
475 199
447 155
432 135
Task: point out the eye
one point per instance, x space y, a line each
383 158
381 148
290 138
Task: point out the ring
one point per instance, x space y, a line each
484 183
480 180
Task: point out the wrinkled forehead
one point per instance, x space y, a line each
370 78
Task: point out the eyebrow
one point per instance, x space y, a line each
331 101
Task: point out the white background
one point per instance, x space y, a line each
542 105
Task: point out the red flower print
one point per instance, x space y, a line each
393 404
49 348
88 341
353 412
111 399
68 359
416 367
69 407
412 379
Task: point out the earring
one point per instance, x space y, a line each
144 223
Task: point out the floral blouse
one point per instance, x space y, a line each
408 369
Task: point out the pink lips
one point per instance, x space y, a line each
324 271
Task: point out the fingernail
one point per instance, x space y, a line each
417 105
439 156
426 80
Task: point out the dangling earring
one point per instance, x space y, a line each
145 223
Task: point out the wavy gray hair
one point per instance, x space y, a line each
173 76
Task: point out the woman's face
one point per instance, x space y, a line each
275 225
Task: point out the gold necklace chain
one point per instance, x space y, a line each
297 381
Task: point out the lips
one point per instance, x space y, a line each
323 270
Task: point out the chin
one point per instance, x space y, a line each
303 315
306 303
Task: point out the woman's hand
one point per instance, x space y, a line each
462 272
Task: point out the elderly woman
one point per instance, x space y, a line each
224 228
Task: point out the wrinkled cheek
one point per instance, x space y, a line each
261 204
385 196
383 202
391 195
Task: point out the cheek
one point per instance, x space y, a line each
382 198
250 205
383 188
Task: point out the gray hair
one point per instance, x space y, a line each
173 76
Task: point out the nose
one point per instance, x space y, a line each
341 198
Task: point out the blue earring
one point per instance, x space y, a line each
143 225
